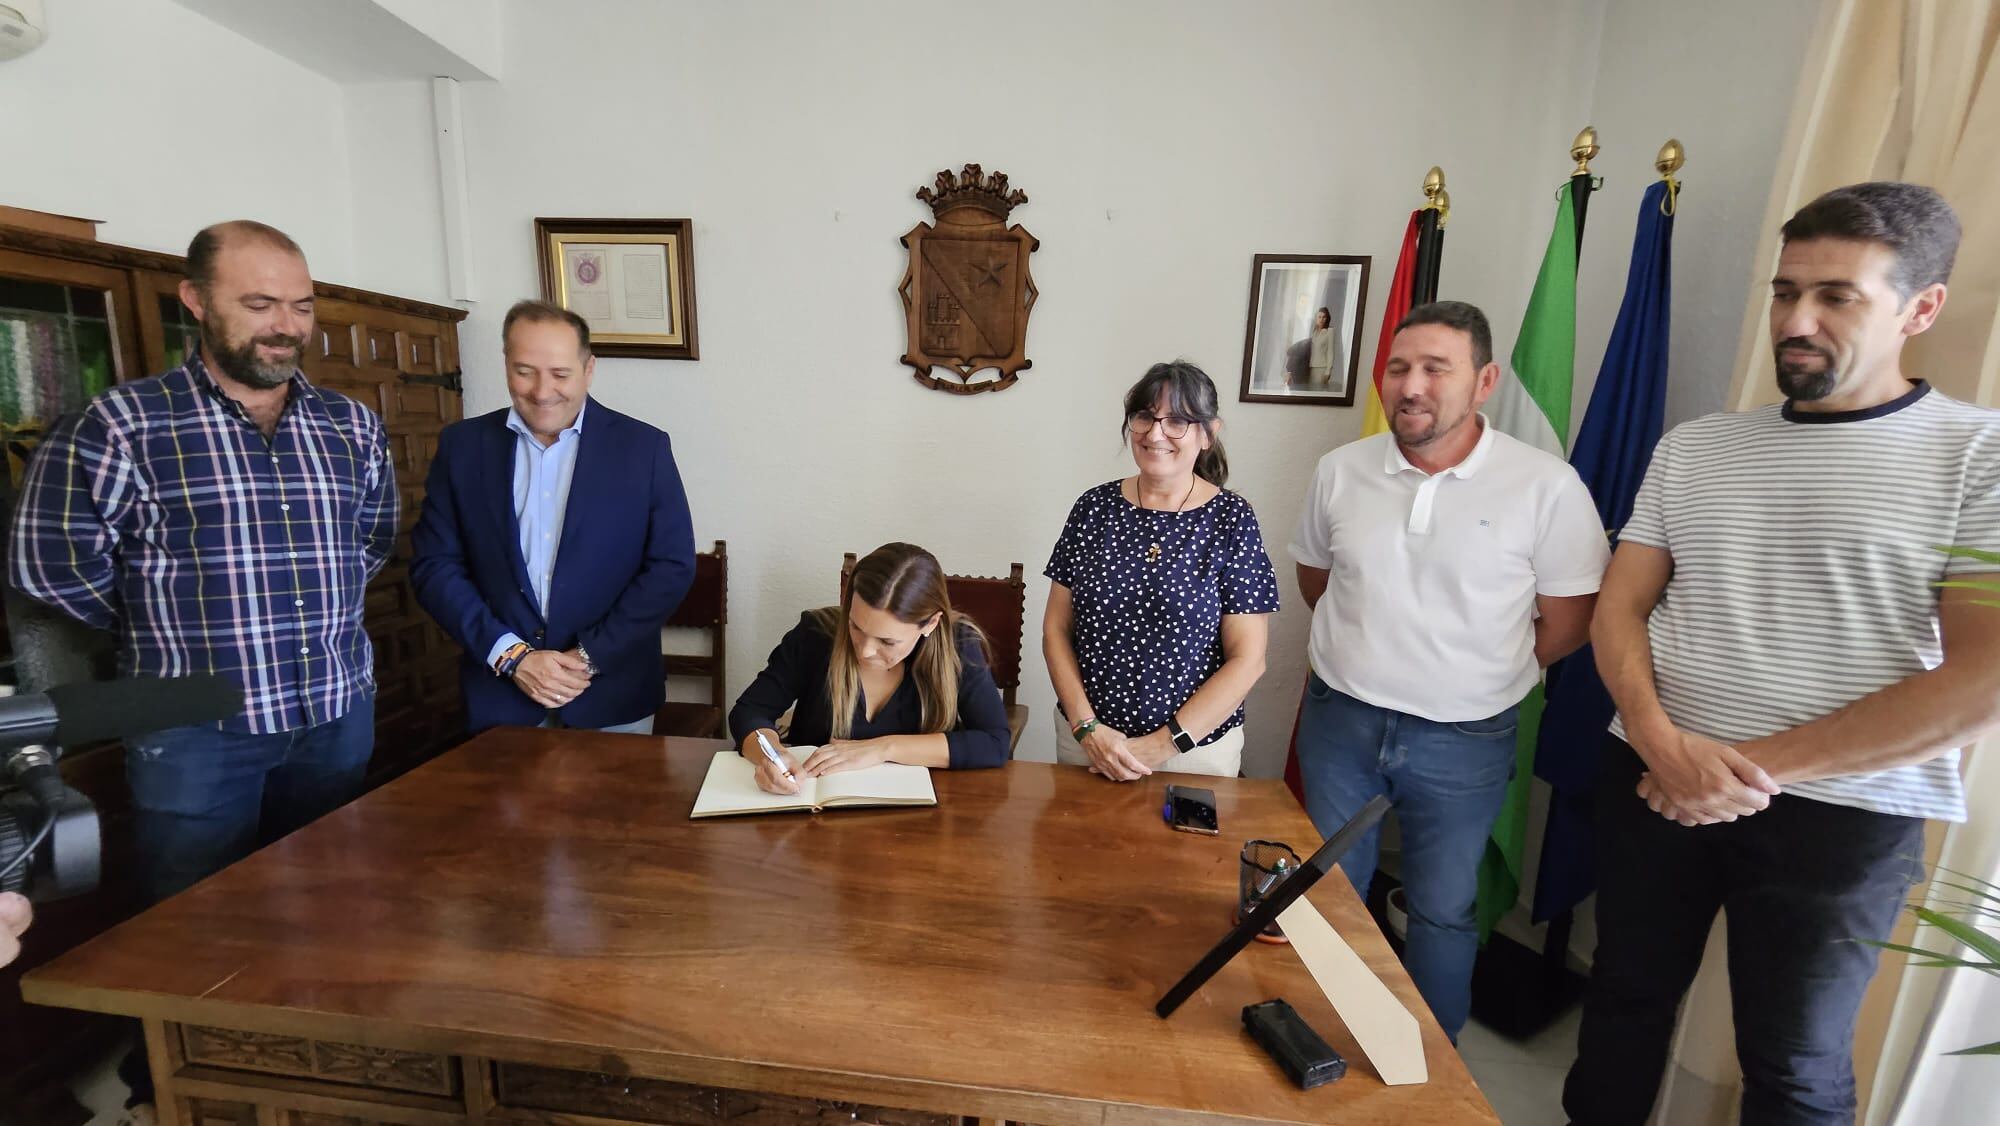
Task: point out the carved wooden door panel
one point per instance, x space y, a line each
406 368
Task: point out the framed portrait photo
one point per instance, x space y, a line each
1302 343
631 280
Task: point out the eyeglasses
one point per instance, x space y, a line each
1173 426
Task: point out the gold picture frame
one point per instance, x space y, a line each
631 280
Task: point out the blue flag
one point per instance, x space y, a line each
1612 449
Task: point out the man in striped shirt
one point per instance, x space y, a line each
1792 686
224 518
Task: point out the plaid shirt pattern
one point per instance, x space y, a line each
163 512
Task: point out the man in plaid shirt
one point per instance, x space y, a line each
224 518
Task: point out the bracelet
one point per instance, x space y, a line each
510 659
589 666
1088 725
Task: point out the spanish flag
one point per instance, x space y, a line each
1375 420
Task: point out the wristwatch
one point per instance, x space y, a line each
589 666
1183 742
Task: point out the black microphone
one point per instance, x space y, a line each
93 710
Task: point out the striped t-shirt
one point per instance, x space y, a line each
1803 563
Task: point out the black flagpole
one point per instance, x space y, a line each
1580 187
1582 181
1430 255
1555 948
1430 239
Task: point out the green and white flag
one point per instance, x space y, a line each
1532 403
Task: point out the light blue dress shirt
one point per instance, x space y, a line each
541 496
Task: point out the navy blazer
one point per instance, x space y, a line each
624 561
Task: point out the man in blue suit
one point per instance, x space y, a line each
554 542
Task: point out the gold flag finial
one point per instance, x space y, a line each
1583 150
1672 157
1436 198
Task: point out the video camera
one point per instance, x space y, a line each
50 844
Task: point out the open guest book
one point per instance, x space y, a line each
731 788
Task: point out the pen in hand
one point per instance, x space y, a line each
776 760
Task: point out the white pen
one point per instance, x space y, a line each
774 757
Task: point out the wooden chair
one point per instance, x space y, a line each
999 606
706 607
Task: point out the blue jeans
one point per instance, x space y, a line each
1447 782
205 799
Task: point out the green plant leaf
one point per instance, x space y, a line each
1963 584
1976 888
1990 890
1970 912
1934 959
1975 899
1981 943
1992 557
1913 951
1960 919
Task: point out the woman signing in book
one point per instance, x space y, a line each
873 681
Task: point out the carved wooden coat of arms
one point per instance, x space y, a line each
967 293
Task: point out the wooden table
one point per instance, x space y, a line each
530 930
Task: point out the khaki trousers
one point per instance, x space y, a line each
1222 758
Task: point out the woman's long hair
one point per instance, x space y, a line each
905 581
1190 394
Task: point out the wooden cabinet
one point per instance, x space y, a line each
76 316
404 365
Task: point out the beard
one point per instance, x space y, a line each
1808 380
1414 432
241 361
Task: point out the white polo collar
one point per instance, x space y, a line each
1393 461
1421 504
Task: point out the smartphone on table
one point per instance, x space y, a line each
1190 809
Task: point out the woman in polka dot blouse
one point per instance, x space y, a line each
1156 623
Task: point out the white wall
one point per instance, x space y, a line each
469 29
148 116
1719 75
395 197
1161 145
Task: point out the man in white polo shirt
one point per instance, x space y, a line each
1446 564
1792 685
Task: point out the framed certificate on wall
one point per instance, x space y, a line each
631 280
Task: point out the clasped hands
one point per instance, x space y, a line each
552 677
836 756
1694 780
1123 758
